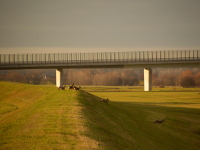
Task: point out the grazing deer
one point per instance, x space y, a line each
70 87
159 121
61 87
76 88
105 100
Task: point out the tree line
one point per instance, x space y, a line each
107 77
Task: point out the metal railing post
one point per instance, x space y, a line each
110 56
164 55
32 58
135 57
193 54
80 58
54 58
14 59
45 58
143 56
160 56
114 56
156 56
139 56
186 57
189 55
181 55
23 58
9 58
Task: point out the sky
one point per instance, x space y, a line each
49 26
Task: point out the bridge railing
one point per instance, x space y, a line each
99 57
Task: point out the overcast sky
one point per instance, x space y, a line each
64 25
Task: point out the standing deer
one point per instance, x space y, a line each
71 87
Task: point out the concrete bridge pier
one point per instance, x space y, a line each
147 79
59 77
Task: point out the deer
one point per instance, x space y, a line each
71 87
105 100
62 87
76 88
159 121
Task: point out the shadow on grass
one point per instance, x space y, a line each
129 125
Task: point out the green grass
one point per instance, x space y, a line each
40 117
127 121
43 117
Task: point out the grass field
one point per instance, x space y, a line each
43 117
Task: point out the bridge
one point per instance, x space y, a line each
139 59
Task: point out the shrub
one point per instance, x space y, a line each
187 79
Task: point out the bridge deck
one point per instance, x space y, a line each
183 58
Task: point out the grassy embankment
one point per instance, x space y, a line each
42 117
